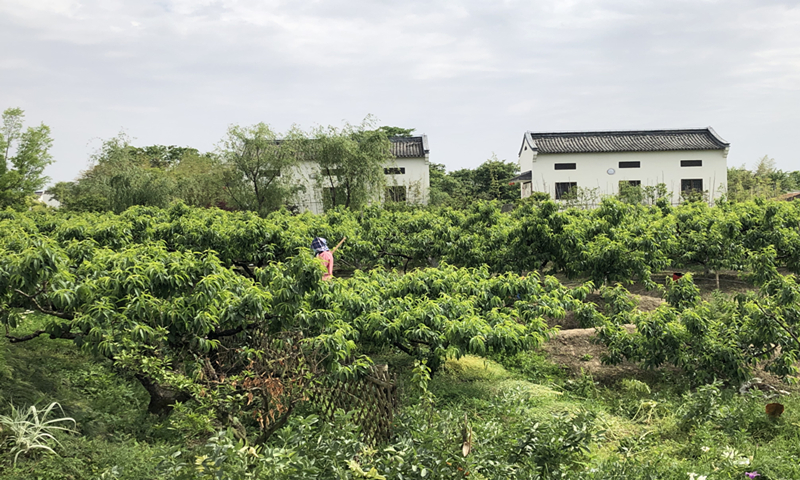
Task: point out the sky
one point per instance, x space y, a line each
472 75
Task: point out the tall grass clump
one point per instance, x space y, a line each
24 431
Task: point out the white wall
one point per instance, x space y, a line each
311 198
656 167
416 180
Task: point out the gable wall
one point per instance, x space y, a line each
416 180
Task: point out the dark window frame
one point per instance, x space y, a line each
691 163
630 183
396 193
690 185
560 190
565 166
394 170
630 164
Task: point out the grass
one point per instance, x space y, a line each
30 430
646 427
109 410
645 430
102 402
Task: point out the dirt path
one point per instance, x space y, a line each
576 349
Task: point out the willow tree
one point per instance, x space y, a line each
260 165
122 176
350 160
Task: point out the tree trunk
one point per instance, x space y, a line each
161 399
434 363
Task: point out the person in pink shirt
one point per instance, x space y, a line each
320 247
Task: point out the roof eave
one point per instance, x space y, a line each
527 138
717 137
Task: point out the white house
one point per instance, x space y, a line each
407 176
46 198
689 159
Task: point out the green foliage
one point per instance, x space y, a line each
427 443
260 165
350 163
489 181
420 378
24 154
683 293
225 457
91 458
716 339
123 176
584 386
165 297
557 443
533 366
701 405
712 240
764 181
396 131
447 312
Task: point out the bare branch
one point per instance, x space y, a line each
32 298
780 324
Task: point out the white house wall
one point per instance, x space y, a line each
416 180
309 199
656 167
526 158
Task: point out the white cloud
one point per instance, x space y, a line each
473 75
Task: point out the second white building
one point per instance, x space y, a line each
682 160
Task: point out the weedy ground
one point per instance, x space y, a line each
524 412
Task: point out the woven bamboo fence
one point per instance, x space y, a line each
371 399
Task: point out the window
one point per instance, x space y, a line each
563 189
396 193
691 163
629 183
394 171
692 185
565 166
636 164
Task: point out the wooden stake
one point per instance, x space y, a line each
338 245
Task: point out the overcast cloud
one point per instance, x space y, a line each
472 75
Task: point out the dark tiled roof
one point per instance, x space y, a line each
791 196
522 177
628 141
408 147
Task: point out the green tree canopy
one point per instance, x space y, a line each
123 175
462 187
259 166
350 161
25 154
764 181
396 131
